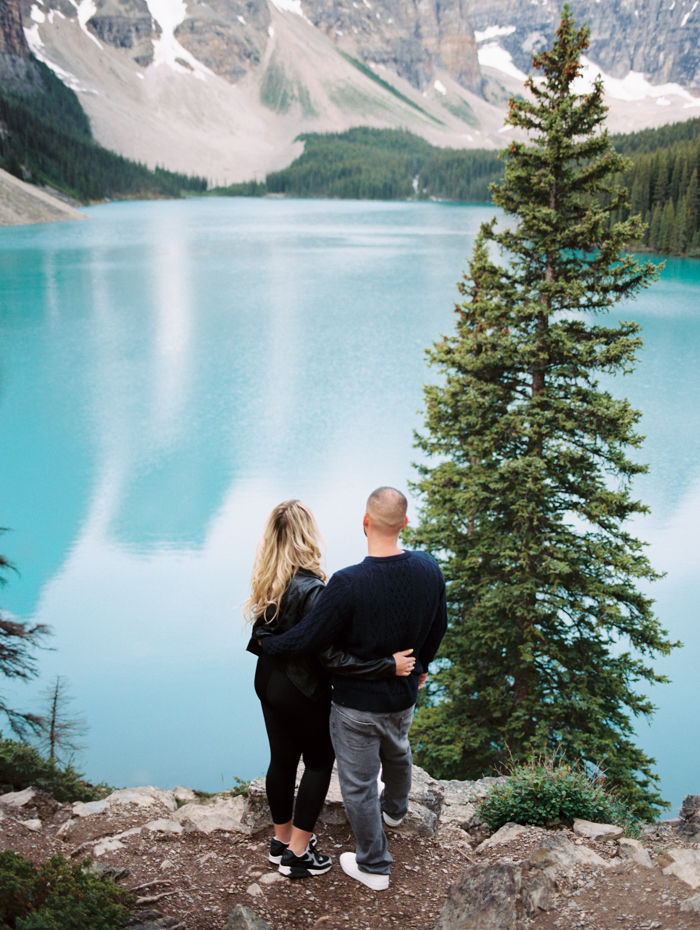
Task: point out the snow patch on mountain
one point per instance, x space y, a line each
166 49
492 32
493 55
86 10
36 46
689 14
290 6
632 87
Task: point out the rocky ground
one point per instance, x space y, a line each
193 861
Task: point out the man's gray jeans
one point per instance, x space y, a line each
364 742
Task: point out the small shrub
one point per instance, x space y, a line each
546 790
58 895
22 766
240 788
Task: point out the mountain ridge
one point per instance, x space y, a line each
223 88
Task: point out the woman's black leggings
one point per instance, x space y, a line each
296 726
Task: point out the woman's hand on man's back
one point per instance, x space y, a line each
405 662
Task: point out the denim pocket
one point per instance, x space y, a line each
354 733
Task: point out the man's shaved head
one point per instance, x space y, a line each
386 508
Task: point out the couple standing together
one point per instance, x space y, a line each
339 668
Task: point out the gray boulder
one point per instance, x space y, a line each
144 796
226 814
597 831
689 815
486 897
18 799
257 814
425 803
538 891
684 864
242 918
427 791
508 832
557 852
633 849
109 872
460 799
692 904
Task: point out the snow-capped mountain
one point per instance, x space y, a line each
223 87
655 38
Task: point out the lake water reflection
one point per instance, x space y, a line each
169 371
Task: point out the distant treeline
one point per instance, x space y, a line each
45 138
379 164
663 185
388 164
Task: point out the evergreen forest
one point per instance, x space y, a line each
663 184
45 138
390 164
380 164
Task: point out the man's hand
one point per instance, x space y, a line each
405 663
421 680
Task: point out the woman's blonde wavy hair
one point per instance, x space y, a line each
290 540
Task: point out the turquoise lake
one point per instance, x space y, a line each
169 371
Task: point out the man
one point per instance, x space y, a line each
392 600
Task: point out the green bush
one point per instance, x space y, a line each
58 895
21 766
545 790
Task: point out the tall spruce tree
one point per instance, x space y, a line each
527 504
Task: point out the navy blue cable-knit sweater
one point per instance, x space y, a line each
373 610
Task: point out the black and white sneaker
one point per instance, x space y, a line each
311 863
277 849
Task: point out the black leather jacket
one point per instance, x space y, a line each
312 674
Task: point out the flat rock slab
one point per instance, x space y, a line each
146 796
507 833
692 904
598 831
633 849
164 826
242 918
558 852
111 844
82 809
685 865
220 814
18 799
486 897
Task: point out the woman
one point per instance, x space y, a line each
295 693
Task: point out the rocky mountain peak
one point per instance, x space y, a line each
410 37
659 39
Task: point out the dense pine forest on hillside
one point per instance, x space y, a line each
380 164
45 138
663 185
388 164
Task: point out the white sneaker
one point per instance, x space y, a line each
371 879
392 821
